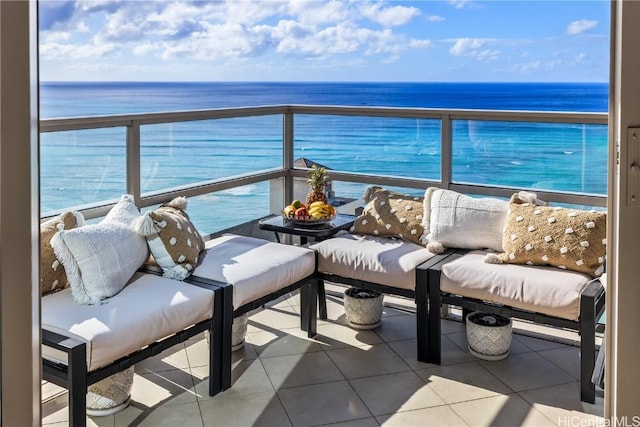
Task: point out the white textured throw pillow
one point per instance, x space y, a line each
459 221
101 258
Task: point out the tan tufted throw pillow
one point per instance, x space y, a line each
173 240
567 238
53 276
391 214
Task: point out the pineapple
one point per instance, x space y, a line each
318 183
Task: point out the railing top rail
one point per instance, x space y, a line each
117 120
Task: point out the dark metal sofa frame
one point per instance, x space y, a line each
419 295
75 377
592 304
308 316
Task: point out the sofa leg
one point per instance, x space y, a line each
308 306
434 298
77 386
224 341
587 349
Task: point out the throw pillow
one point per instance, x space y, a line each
455 220
391 214
101 258
53 276
174 241
570 239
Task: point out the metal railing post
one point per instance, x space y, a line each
133 161
446 166
287 153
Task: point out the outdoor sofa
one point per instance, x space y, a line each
518 258
105 306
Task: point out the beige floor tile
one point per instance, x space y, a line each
451 353
451 326
246 352
301 369
462 382
322 404
335 311
197 353
334 336
386 394
439 416
397 328
242 410
566 358
363 422
358 362
460 339
247 376
131 415
274 319
537 344
527 371
168 360
270 344
186 415
58 415
508 411
163 388
562 405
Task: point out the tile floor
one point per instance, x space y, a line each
346 377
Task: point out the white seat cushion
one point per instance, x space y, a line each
546 290
381 260
255 267
147 309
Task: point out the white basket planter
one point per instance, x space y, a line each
363 308
238 332
110 395
488 335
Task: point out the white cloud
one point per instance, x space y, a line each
435 18
580 57
460 4
53 50
390 16
580 26
473 48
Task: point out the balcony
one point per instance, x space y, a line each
342 375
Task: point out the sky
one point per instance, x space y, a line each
325 40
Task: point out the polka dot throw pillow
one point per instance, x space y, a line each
391 214
173 240
569 239
53 276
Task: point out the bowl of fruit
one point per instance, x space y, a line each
314 214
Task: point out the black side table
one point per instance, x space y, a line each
278 224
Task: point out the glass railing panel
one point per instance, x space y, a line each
177 154
218 211
405 147
81 167
547 156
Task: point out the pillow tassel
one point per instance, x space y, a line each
179 203
177 272
492 258
435 247
79 219
145 225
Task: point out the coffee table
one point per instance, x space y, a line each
278 224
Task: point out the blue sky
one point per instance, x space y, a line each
325 40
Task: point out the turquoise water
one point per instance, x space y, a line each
88 166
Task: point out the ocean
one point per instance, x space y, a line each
88 166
